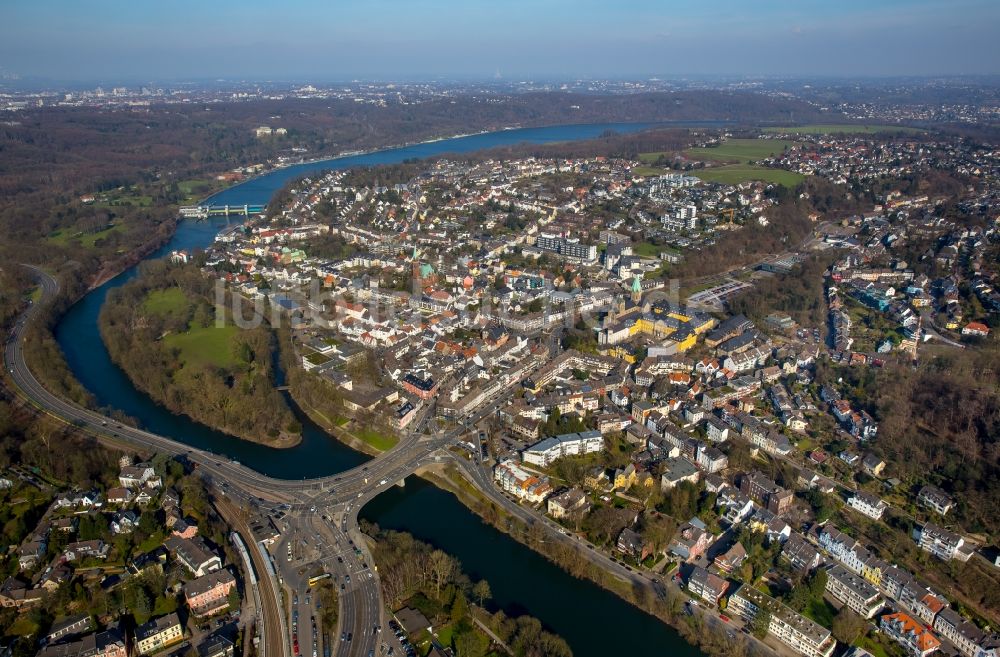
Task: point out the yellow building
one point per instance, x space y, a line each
688 342
871 570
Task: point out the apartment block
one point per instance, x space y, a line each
794 630
854 591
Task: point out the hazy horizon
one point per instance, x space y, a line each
429 39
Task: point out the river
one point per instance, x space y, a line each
593 621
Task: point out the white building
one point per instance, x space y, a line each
870 505
942 543
794 630
548 450
854 591
521 483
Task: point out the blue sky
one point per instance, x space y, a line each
340 39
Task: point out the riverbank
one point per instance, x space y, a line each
414 574
670 610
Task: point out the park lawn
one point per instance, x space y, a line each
64 237
210 345
741 150
835 129
376 439
733 174
169 301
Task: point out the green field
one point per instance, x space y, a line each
376 439
205 346
120 197
733 174
820 611
741 150
64 237
195 190
649 171
833 129
165 302
647 250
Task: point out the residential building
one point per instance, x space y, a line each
216 646
711 459
841 547
110 643
942 543
544 452
209 594
966 636
706 585
134 476
158 633
423 387
68 627
691 540
676 470
630 544
794 630
800 554
521 483
909 633
868 504
194 554
934 498
732 559
854 591
568 503
765 492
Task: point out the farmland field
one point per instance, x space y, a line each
741 150
733 174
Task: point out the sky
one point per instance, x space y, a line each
334 40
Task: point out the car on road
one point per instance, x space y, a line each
725 619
